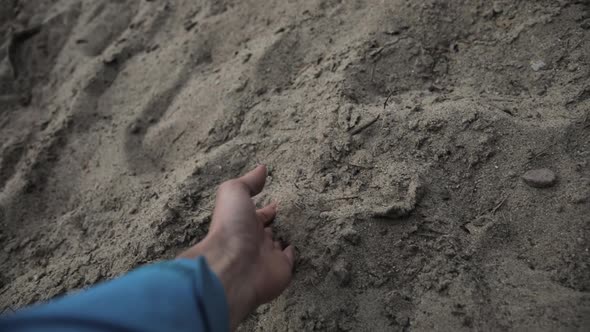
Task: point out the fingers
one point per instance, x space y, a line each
269 241
290 253
268 234
254 180
267 214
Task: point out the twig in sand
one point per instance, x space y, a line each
178 137
373 70
497 207
387 99
360 166
343 198
364 126
537 155
299 206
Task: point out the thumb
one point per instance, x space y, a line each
254 180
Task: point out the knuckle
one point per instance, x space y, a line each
263 214
228 185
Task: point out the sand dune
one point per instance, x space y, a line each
396 133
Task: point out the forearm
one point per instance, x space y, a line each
232 274
181 295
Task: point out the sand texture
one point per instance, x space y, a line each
397 135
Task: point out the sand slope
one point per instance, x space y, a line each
396 133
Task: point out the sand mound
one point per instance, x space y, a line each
396 132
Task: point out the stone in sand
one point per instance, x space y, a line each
342 272
540 178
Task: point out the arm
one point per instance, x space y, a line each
180 295
212 287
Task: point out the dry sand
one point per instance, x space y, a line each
396 131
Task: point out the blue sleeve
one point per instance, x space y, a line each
180 295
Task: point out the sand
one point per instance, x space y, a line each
396 133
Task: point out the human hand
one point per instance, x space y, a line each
240 249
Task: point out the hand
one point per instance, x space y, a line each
240 249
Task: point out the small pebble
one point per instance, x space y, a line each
540 178
240 85
580 197
10 247
403 321
342 272
351 236
445 195
538 65
560 208
135 129
572 67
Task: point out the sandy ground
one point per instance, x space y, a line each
397 134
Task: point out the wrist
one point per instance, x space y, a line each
232 273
